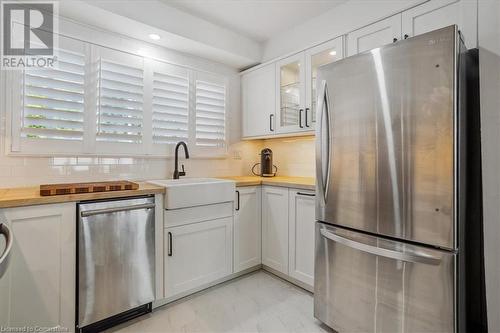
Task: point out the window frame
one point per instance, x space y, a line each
15 101
219 80
15 145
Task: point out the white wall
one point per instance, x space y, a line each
179 30
339 20
489 57
27 171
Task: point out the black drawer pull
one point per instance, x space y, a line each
170 251
238 200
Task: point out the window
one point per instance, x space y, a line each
53 100
170 107
100 101
120 103
210 114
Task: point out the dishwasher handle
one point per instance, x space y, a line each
116 209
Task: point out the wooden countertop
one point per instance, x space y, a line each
28 196
305 183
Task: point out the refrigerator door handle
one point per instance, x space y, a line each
423 258
323 143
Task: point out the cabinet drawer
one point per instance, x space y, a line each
176 217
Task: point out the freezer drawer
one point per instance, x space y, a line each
365 283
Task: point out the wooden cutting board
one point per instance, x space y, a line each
77 188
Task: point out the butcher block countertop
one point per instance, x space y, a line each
304 183
28 196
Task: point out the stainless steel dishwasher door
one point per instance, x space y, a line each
116 257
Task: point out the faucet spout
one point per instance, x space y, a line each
178 173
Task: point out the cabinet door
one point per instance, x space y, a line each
437 14
318 56
301 236
291 94
258 90
375 35
275 228
197 254
38 288
247 228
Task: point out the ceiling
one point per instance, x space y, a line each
255 19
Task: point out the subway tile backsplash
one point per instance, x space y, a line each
293 156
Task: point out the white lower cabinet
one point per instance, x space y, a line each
38 288
197 254
247 228
275 228
301 236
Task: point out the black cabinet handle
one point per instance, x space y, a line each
306 194
406 36
170 244
271 116
307 109
300 118
238 200
394 40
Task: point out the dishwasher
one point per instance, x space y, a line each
116 261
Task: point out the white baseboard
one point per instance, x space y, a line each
289 278
165 301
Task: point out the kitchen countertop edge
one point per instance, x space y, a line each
30 196
303 183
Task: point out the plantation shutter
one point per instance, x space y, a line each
120 103
53 100
210 114
170 108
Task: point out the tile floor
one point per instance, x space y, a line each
258 302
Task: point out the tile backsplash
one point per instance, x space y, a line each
293 156
29 171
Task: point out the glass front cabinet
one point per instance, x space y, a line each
296 86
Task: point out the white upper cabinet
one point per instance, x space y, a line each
296 86
38 287
437 14
374 35
289 108
258 101
247 228
290 89
315 57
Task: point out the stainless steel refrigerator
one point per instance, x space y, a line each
390 187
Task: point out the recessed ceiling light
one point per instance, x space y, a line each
333 52
154 36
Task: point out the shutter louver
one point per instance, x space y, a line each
53 100
210 114
170 108
120 103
